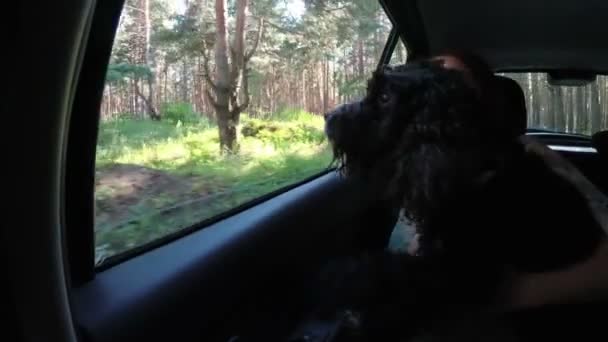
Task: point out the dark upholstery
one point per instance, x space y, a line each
512 100
600 142
600 177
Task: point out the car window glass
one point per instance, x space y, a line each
399 55
195 123
570 109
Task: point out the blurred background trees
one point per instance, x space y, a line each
267 56
260 57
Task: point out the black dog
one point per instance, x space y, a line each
424 137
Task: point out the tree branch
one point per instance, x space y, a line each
134 8
232 54
237 109
207 72
278 27
256 41
237 48
245 76
245 103
151 110
211 99
234 67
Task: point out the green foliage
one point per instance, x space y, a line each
353 87
127 137
180 112
118 73
183 177
279 133
177 177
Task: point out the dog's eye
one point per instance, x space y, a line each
384 97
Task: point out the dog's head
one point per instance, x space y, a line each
419 135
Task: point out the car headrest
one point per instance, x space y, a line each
600 142
511 99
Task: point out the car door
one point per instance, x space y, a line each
241 270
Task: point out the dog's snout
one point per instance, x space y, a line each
348 108
342 120
331 116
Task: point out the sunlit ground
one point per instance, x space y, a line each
154 178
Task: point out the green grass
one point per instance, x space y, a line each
155 178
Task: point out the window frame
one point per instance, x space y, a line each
389 47
81 143
81 148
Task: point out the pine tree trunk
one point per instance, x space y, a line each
184 82
325 85
149 101
569 110
557 109
580 111
110 101
151 79
604 102
594 109
227 128
319 79
304 90
165 76
361 66
132 98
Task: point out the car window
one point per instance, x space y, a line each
195 122
399 55
570 109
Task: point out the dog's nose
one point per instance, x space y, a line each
330 119
331 116
347 107
333 113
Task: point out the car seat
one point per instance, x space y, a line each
512 100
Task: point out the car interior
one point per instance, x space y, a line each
246 273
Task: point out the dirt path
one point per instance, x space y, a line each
124 190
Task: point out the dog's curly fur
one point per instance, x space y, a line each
423 136
417 123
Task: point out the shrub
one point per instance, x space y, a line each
256 127
282 133
180 112
185 164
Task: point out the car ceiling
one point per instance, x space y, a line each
510 35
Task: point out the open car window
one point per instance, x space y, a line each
569 109
190 130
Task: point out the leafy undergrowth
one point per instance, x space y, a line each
157 177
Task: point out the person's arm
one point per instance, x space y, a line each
598 202
586 281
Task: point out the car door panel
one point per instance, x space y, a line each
255 262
